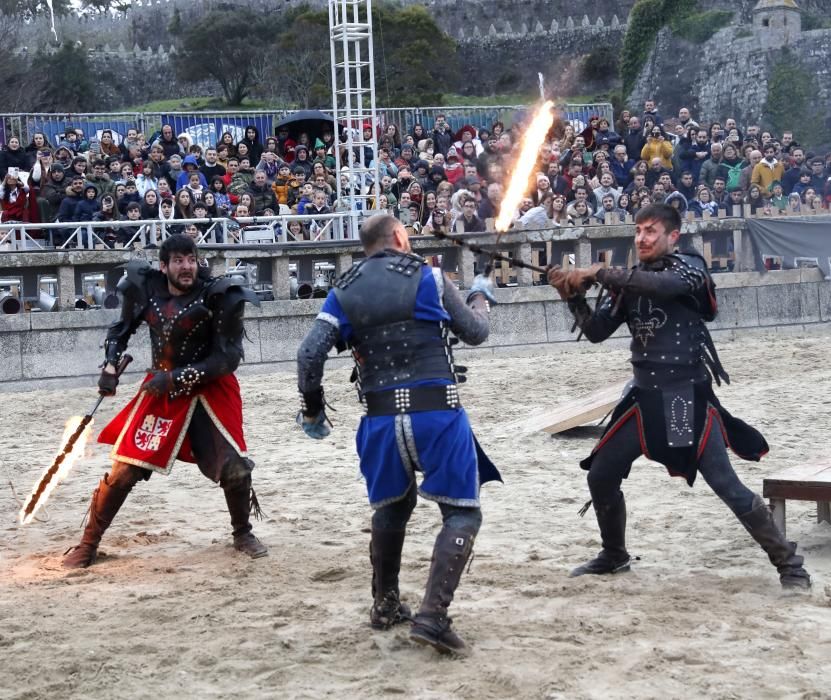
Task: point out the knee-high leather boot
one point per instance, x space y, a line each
238 499
106 501
782 553
431 625
613 558
385 556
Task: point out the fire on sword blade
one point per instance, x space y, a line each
70 452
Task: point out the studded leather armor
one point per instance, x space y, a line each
665 304
196 337
389 345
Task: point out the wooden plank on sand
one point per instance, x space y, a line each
575 412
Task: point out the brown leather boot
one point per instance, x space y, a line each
782 553
385 555
106 501
239 506
432 626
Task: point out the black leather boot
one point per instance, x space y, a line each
431 625
239 506
613 558
782 553
385 556
106 501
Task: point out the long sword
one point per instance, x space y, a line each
49 474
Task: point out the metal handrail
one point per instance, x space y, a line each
221 229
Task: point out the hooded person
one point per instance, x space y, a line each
677 201
252 140
85 209
189 165
436 176
302 160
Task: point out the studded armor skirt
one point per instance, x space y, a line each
674 426
152 431
438 444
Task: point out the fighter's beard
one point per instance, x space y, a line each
174 282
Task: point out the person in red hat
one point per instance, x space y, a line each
465 134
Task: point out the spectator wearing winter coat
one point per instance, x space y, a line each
709 168
657 147
262 194
693 154
767 171
189 165
13 156
167 141
252 140
52 192
85 209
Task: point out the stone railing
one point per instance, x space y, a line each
278 267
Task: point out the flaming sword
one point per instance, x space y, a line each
45 485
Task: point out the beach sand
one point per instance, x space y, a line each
171 610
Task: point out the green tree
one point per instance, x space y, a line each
415 61
27 9
224 45
645 21
61 81
793 103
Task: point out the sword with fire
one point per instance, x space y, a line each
76 434
534 137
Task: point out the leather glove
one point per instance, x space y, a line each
482 285
107 383
160 384
580 280
557 279
315 426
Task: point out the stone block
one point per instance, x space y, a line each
251 342
789 304
517 324
825 301
11 368
10 323
94 318
737 308
281 337
558 321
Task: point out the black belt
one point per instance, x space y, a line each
419 398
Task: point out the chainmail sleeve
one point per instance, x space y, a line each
469 322
311 357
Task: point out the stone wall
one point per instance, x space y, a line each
509 54
726 76
40 350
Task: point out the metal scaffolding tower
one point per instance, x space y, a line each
353 104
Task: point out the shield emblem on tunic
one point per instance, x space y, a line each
149 436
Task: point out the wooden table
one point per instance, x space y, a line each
806 482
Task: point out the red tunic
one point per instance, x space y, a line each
152 431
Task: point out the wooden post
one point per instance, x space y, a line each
823 512
697 242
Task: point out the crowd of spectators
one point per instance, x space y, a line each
432 179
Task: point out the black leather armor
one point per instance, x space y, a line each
390 346
196 336
665 304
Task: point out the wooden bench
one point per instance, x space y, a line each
806 482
